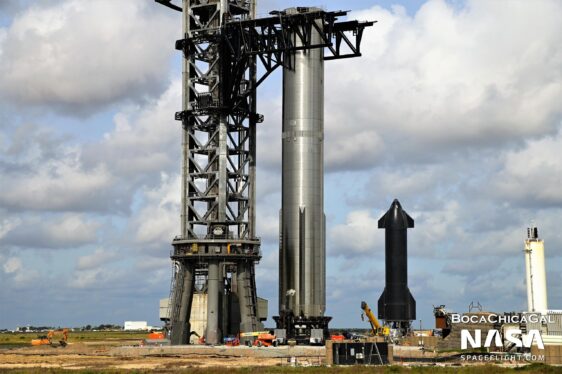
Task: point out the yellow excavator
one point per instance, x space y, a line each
376 327
48 339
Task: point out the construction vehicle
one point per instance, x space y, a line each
231 341
156 335
376 328
248 338
41 340
48 339
337 338
266 340
260 339
155 338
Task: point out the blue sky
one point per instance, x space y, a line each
454 108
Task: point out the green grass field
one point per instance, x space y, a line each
78 336
489 369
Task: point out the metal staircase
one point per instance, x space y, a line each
176 289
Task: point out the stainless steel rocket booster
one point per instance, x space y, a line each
302 262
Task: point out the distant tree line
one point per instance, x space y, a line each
36 328
101 327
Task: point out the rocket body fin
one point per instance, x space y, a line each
411 307
381 305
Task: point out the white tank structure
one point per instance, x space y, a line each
535 272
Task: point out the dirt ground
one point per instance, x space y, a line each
117 356
97 356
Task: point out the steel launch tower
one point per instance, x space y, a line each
227 54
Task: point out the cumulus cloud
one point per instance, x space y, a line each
435 227
267 277
442 82
144 141
43 172
50 172
356 236
78 63
28 142
405 181
18 274
67 231
7 225
158 221
94 260
346 150
269 132
267 225
449 80
12 265
92 278
9 7
492 294
532 175
469 268
60 184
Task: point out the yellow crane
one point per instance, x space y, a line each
377 328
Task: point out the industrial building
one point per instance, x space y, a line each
136 325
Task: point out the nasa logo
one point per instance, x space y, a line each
495 336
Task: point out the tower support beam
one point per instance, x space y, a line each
217 238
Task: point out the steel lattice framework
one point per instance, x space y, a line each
223 45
